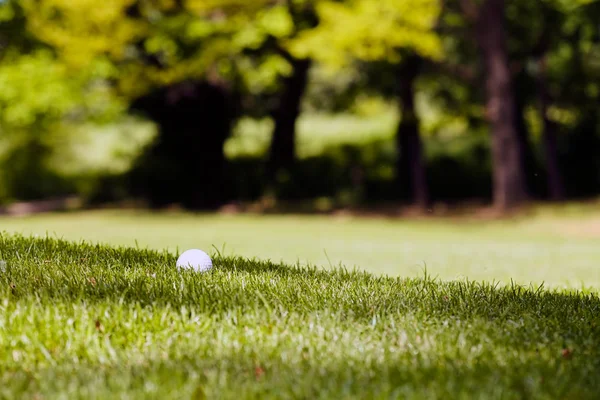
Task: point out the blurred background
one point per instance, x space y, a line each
315 106
204 103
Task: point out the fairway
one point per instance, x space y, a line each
87 322
558 248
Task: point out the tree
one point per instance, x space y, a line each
510 151
555 182
540 31
488 23
38 95
186 164
282 151
411 164
557 15
572 78
399 32
175 62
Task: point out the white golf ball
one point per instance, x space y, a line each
195 259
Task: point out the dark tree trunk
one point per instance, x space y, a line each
556 189
521 82
186 163
282 152
508 170
27 176
410 170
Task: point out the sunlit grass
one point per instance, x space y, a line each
83 321
557 247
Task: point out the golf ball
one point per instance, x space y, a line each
194 259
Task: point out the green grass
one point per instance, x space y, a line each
91 321
556 247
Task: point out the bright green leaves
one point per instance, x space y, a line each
261 76
276 21
33 88
222 8
189 41
228 37
7 11
371 30
37 90
199 29
81 30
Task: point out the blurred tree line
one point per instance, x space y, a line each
521 77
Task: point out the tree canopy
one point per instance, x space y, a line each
526 72
371 31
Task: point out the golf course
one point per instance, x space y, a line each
300 307
300 199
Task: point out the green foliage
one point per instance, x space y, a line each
37 88
124 322
69 64
38 96
371 31
569 5
34 91
159 43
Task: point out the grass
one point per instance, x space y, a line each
555 247
92 321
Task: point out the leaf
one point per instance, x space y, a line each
370 31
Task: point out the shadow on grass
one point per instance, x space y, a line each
56 269
527 326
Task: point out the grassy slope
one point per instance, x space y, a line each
89 321
558 248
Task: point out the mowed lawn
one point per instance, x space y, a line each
89 321
559 247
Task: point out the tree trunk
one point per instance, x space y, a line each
556 189
282 152
520 82
410 170
186 163
508 170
